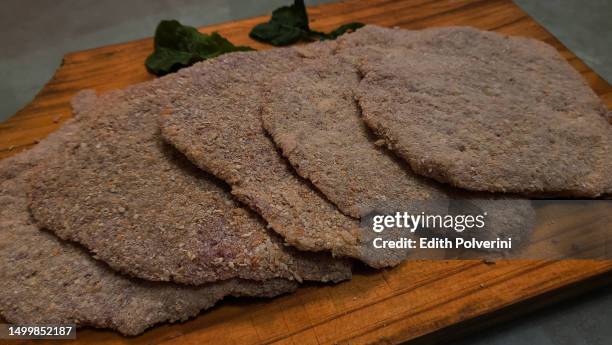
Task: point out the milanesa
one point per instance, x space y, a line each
45 280
138 205
215 121
487 112
312 116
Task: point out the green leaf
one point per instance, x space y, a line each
289 24
277 34
294 15
178 46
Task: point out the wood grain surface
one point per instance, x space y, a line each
424 301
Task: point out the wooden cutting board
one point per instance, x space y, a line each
423 301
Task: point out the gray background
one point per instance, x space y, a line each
36 34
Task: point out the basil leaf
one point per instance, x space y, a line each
289 24
178 46
276 34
